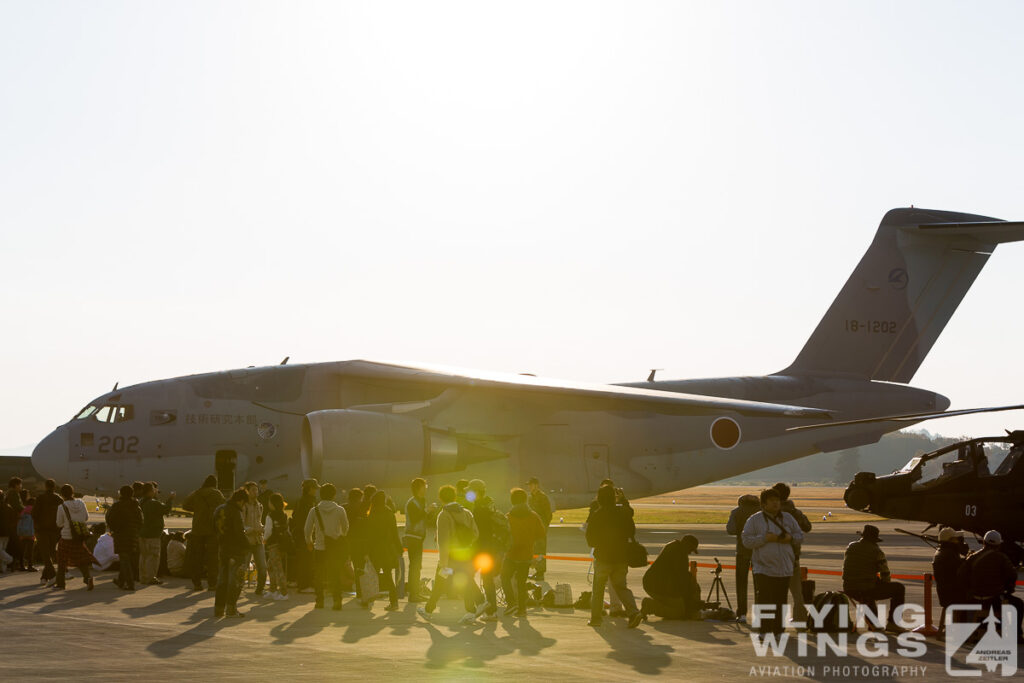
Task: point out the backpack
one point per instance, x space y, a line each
26 528
831 622
501 531
464 534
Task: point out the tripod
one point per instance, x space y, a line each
718 588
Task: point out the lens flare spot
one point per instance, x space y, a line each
483 563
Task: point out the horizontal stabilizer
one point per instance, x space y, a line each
908 417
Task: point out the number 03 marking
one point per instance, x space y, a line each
971 511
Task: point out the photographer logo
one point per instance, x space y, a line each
996 649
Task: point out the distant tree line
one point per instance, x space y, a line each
838 469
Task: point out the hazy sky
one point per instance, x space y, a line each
576 189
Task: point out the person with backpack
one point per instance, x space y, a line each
456 534
279 545
72 517
525 529
795 581
415 533
746 506
770 535
202 542
490 544
124 520
609 529
44 516
325 530
27 535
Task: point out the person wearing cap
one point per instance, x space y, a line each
946 563
795 581
990 578
673 591
770 534
541 504
866 575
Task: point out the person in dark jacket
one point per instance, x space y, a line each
487 554
355 510
674 593
415 532
124 520
13 505
866 575
746 506
44 514
151 536
990 578
202 542
796 581
609 528
303 556
946 563
541 504
233 550
525 527
383 545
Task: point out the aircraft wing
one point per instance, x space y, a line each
626 397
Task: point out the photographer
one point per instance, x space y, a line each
674 593
770 534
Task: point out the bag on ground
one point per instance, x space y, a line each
369 583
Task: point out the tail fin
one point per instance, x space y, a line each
902 293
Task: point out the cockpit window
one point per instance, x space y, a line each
1001 463
86 412
108 413
943 468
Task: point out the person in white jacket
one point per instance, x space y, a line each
71 550
325 531
770 534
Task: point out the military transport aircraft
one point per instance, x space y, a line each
354 422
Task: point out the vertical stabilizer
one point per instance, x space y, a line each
901 295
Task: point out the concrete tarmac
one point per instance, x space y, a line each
168 632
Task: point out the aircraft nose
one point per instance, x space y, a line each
50 456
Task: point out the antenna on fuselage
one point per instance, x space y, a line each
285 361
650 377
115 386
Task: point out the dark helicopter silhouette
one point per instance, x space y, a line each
974 485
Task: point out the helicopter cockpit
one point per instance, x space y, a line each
979 458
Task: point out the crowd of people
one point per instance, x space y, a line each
331 548
770 530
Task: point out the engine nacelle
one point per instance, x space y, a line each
352 447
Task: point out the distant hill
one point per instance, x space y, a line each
838 469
